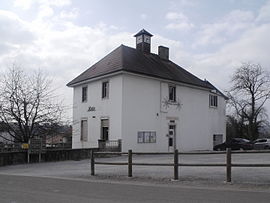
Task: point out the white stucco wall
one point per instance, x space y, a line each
137 103
104 108
144 110
141 104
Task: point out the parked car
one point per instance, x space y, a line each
235 144
263 143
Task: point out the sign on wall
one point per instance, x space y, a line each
91 108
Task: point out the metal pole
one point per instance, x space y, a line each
176 165
228 165
92 156
129 163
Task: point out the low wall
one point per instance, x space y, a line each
10 158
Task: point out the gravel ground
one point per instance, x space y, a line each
242 178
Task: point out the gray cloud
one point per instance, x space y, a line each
13 30
63 49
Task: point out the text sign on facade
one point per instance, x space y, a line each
91 108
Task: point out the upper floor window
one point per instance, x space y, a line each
84 94
105 90
213 100
172 93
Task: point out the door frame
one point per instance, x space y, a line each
101 130
173 147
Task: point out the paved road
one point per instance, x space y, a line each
15 189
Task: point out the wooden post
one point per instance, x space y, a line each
129 163
40 150
92 156
228 165
119 145
176 164
28 151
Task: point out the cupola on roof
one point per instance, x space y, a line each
143 41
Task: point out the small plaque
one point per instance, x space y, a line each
91 108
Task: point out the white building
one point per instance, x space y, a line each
147 101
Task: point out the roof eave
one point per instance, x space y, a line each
113 73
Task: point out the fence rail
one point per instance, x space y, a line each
228 163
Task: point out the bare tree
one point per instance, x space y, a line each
250 90
27 104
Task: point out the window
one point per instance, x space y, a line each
172 93
213 100
147 39
84 130
146 137
105 90
84 94
139 39
140 137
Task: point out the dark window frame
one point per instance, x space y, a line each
146 137
213 100
105 90
84 93
172 93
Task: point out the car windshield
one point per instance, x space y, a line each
261 140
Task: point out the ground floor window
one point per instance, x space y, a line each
84 130
146 137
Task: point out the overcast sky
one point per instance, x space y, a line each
209 38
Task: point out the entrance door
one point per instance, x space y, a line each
171 138
105 129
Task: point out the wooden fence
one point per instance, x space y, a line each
176 164
20 157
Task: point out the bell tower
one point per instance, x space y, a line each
143 41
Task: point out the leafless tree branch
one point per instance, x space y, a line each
249 92
27 103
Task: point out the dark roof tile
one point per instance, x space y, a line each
129 59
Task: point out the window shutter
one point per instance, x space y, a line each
84 130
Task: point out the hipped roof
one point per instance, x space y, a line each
131 60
